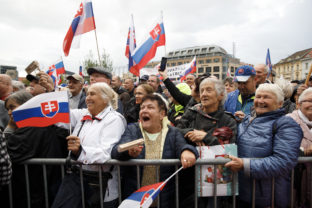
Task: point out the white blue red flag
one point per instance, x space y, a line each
147 50
131 43
83 22
268 63
190 69
55 72
43 110
145 196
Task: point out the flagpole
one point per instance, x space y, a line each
162 20
97 45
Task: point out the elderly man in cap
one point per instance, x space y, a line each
240 101
34 83
77 95
99 74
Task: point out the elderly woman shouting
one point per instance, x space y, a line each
272 141
96 130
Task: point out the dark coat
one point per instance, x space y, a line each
173 147
82 101
36 142
195 118
275 140
132 111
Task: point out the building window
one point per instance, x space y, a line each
204 49
200 70
200 61
216 60
189 51
173 64
208 61
211 48
196 50
171 53
217 75
180 63
176 53
307 65
208 69
183 52
216 69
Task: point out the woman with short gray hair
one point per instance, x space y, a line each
268 143
303 116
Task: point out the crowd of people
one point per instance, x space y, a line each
269 120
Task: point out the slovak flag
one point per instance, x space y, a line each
143 197
131 43
43 110
147 50
268 63
191 68
55 72
83 22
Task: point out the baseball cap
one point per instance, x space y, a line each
144 77
76 77
100 70
31 77
243 73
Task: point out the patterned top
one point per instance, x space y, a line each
5 163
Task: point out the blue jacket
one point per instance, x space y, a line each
233 103
275 140
174 145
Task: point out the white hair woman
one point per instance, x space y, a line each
303 116
199 123
287 88
272 140
96 130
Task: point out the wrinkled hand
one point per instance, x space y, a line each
240 115
236 164
195 135
73 144
188 159
163 74
135 151
46 81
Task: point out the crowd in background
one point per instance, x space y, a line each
269 119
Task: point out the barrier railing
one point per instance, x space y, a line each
44 162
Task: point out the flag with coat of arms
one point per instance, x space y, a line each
43 110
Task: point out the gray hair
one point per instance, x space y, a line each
20 97
219 87
265 67
286 87
304 94
18 85
273 88
107 93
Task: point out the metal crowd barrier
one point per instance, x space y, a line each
44 162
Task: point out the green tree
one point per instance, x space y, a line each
92 60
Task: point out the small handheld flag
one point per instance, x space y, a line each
43 110
191 68
55 72
144 196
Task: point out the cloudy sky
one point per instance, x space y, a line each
35 29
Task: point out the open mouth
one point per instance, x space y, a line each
145 118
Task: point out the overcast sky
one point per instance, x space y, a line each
35 29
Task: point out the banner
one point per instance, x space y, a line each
172 72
